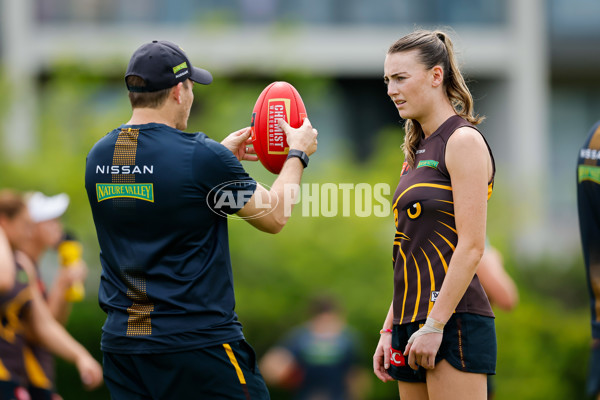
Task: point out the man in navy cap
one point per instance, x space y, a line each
158 196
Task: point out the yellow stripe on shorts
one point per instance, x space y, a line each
233 360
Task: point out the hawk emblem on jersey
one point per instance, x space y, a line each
413 211
424 213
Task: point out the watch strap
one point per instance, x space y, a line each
300 154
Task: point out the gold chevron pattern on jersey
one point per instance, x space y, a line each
11 323
421 260
12 329
139 322
125 154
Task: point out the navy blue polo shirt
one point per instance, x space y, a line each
160 199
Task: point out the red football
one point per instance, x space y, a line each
279 100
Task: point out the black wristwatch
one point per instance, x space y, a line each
300 154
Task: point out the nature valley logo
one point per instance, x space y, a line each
588 173
179 67
428 163
140 191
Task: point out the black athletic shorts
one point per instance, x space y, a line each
12 391
227 371
468 344
42 394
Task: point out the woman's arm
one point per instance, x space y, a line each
381 358
498 285
7 264
469 164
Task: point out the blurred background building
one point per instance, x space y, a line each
531 64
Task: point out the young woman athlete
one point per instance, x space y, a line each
438 338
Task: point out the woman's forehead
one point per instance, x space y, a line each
403 61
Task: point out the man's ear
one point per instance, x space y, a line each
176 92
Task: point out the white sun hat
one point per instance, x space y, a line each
44 208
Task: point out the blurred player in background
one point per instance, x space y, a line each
588 206
12 368
47 234
171 331
320 359
25 316
7 277
499 287
438 338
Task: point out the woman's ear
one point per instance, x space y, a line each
437 76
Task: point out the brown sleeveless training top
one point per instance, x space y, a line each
14 306
426 232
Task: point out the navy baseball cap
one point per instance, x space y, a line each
162 65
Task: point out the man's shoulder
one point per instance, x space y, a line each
106 140
592 132
212 148
210 144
